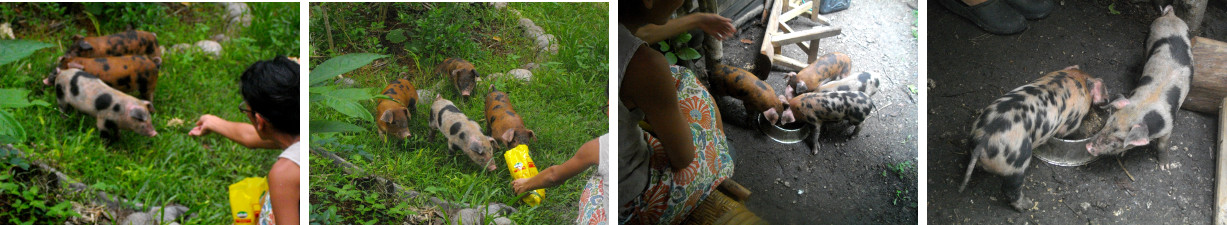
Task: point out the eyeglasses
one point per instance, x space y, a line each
243 107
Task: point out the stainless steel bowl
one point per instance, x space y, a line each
787 134
1072 152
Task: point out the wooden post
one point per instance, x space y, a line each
1220 182
1209 82
1192 12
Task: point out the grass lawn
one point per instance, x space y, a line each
564 103
171 167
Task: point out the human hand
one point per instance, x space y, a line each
715 25
205 124
520 185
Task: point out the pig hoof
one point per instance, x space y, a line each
814 150
1023 205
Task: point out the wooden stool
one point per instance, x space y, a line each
779 34
720 208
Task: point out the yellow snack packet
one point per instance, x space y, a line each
522 166
245 199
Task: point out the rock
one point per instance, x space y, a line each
181 47
238 16
503 221
530 29
521 74
468 217
220 38
210 47
169 214
499 5
425 92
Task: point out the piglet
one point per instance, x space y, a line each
394 113
463 134
130 42
1011 126
864 82
504 123
129 74
816 108
113 109
462 74
755 95
829 67
1148 114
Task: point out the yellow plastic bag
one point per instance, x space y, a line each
245 199
522 166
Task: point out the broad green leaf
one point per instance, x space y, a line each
664 46
16 98
672 58
12 50
687 53
682 38
318 126
346 101
396 36
11 128
341 64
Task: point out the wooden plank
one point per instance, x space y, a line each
804 35
1220 181
789 63
813 13
1209 82
812 52
793 13
773 26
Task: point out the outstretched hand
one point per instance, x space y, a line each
205 124
715 25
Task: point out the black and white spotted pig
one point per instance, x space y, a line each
816 108
1006 131
1147 114
113 109
463 134
864 82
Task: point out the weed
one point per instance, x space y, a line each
901 169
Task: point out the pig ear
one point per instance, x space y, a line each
75 65
476 75
1120 102
386 116
507 135
85 45
532 135
1139 135
456 72
148 106
77 37
772 115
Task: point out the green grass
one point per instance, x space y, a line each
172 167
564 104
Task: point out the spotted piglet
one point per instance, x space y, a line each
816 108
1006 131
504 123
756 95
129 74
130 42
462 74
394 113
113 109
864 82
1147 114
829 67
463 134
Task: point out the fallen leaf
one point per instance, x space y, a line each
496 38
174 122
747 41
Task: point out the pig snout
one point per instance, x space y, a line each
465 93
1090 148
492 167
405 134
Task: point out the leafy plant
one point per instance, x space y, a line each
12 50
900 169
343 100
680 49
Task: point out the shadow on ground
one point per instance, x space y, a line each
969 68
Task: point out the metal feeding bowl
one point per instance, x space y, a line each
1072 151
786 134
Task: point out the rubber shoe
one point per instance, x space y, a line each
1032 9
994 16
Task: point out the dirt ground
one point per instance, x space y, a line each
845 182
969 68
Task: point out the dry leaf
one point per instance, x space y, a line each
747 41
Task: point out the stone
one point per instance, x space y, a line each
521 74
6 31
211 47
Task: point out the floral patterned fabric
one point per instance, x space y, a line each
670 196
592 202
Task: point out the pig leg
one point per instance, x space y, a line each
814 138
1161 150
107 129
1012 186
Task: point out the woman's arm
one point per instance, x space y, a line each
713 24
283 183
649 86
587 156
242 133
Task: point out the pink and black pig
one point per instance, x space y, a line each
112 109
504 123
1147 114
130 42
817 108
129 74
462 74
463 134
756 95
1011 126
